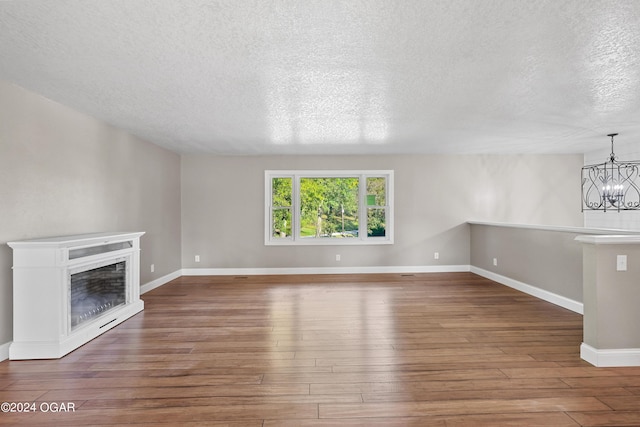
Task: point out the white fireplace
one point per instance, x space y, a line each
68 290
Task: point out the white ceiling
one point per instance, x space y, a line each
337 76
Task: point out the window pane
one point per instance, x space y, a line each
281 222
376 191
281 196
376 222
281 192
328 207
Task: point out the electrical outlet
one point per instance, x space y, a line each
436 255
153 268
197 258
337 257
621 263
495 261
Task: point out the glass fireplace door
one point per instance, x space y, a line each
96 289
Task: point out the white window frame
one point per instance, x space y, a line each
297 175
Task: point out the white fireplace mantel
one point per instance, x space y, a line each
42 269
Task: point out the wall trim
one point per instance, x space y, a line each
4 351
323 270
560 228
556 299
610 357
160 281
609 240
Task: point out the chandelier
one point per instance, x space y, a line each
612 185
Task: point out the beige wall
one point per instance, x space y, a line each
611 315
62 172
548 260
223 206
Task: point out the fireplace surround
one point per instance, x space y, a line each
68 290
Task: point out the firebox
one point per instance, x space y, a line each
96 290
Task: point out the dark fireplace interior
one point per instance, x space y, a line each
97 291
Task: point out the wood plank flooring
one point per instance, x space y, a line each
449 349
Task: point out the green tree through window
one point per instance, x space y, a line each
281 191
376 201
329 207
340 206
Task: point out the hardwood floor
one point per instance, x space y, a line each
449 349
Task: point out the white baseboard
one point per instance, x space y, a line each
631 357
556 299
4 351
323 270
160 281
610 357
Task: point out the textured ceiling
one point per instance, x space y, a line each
337 76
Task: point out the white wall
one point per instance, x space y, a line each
62 172
625 220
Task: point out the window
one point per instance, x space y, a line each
328 207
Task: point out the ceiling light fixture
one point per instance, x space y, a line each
611 185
